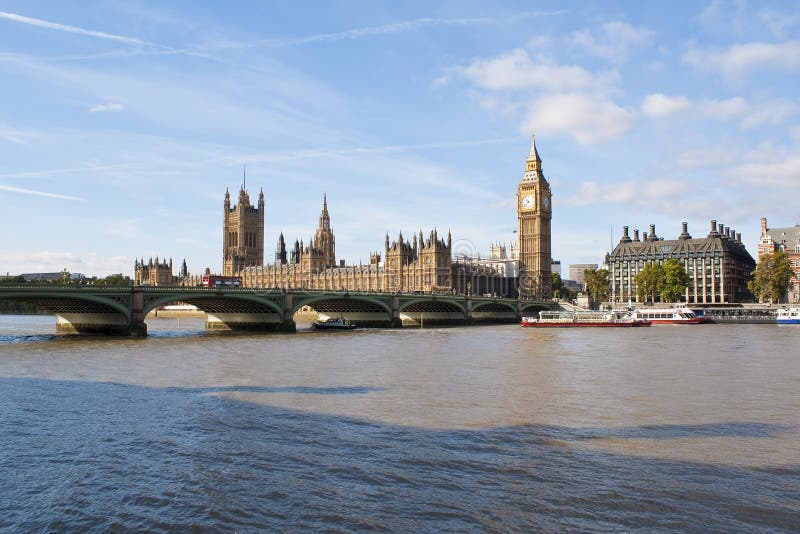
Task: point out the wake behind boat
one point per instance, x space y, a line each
584 319
334 323
682 315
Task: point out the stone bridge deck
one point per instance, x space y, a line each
122 310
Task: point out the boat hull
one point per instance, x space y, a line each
317 326
787 321
585 325
696 320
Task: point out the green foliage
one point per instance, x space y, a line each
772 278
650 282
597 284
12 280
675 281
112 280
560 291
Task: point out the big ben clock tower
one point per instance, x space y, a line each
534 212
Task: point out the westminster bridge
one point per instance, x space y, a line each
122 310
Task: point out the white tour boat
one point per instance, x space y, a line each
788 316
682 315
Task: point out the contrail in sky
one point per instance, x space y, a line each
13 189
72 29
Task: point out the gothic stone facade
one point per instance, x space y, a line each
718 265
787 240
423 263
534 213
154 273
243 233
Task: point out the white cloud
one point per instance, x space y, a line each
107 106
741 59
12 189
777 22
771 166
659 105
723 109
770 113
71 29
586 118
14 135
89 263
708 157
613 41
515 70
662 194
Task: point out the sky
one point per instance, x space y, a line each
122 123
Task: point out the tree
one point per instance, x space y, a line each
772 278
675 281
650 282
113 280
597 283
561 291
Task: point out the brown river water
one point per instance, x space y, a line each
495 428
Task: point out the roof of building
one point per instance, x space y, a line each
718 241
789 237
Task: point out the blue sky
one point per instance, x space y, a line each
122 122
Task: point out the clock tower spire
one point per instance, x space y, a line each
534 213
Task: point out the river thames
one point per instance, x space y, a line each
494 428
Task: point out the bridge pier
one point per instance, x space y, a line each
253 322
109 324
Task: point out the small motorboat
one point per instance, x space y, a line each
334 323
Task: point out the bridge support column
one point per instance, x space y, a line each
288 324
137 327
110 324
396 321
468 310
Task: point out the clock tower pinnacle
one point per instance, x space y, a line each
534 213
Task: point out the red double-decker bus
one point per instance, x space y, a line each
217 280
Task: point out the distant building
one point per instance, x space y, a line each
424 263
718 265
787 240
50 277
243 233
555 267
576 272
154 273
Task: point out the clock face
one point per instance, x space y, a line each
545 202
527 202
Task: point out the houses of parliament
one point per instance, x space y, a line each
421 263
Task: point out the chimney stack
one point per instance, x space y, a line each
636 235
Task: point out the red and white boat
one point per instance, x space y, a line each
681 315
568 319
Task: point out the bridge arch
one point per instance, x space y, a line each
71 302
211 302
529 308
343 303
494 306
419 304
